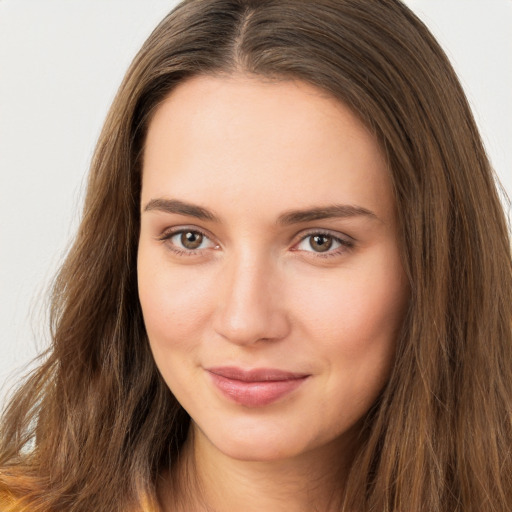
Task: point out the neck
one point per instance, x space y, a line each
208 480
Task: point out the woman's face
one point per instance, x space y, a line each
269 271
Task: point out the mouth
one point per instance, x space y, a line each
256 387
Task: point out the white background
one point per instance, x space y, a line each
61 62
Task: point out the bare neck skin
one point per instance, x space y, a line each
209 481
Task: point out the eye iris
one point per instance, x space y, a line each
191 239
320 243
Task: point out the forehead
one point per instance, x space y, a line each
282 144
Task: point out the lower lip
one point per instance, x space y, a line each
255 393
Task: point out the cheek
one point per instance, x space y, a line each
355 314
174 304
353 322
360 309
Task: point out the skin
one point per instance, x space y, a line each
258 292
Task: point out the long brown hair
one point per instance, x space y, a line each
94 425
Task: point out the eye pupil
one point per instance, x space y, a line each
191 239
321 243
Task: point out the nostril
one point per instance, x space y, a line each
251 327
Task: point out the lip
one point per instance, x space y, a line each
255 387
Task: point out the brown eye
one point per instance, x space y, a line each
320 243
191 239
188 242
324 244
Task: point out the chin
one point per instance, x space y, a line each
263 451
258 443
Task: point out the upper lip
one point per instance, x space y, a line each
255 374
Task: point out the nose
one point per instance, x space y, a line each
251 307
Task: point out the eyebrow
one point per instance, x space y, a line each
324 212
181 208
287 218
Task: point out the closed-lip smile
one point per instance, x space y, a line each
255 387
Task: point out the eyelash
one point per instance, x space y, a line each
166 237
344 244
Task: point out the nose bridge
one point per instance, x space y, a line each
249 307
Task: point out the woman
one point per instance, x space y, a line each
291 288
